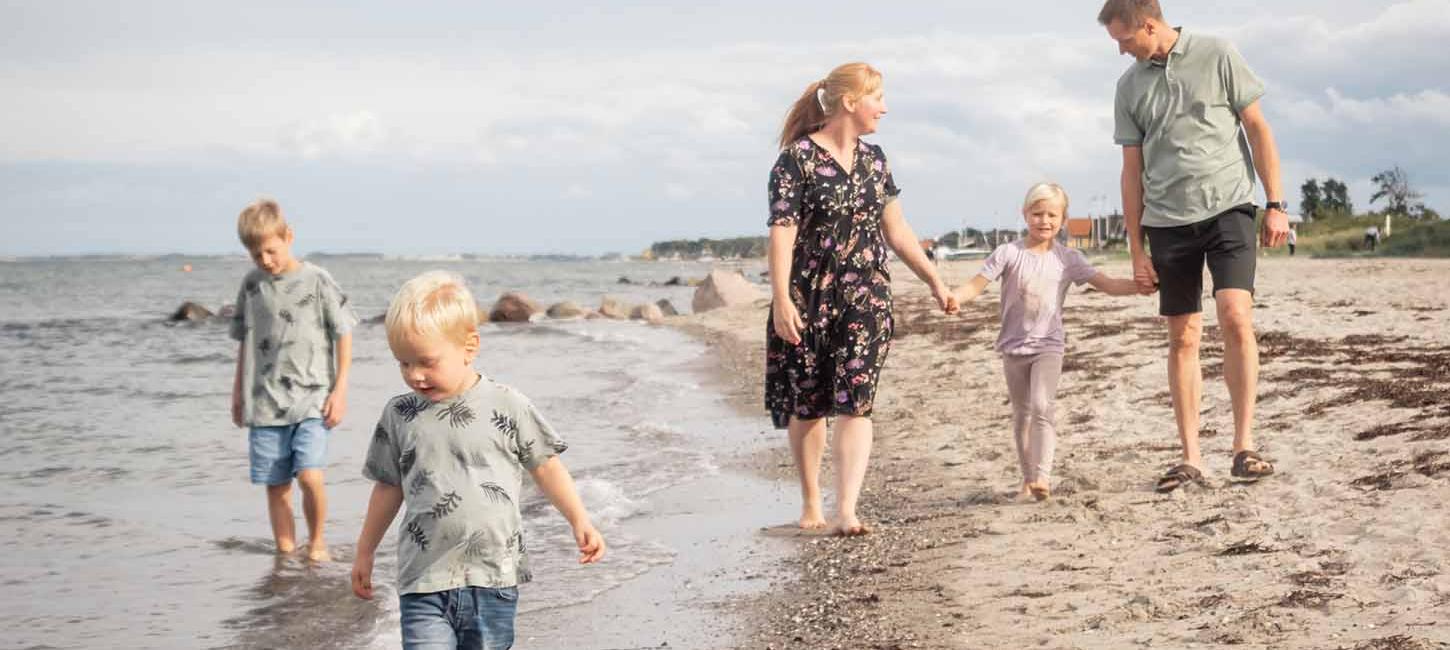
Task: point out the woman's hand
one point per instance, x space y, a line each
787 319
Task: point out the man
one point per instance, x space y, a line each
1186 114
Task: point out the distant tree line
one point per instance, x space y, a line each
696 248
1330 198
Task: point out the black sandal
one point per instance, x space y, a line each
1178 477
1245 470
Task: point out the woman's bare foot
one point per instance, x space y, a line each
318 553
851 527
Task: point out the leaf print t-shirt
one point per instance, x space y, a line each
288 324
461 463
1034 287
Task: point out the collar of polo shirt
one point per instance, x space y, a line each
1178 47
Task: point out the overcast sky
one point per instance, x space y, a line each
490 127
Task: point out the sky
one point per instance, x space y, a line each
585 127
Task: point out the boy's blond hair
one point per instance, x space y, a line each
260 220
436 303
1045 192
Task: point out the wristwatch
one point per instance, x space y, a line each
1281 206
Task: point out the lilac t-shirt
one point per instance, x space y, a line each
1034 286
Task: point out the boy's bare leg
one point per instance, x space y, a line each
314 507
807 444
1240 360
279 511
1185 381
852 453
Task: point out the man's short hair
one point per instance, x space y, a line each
261 219
436 303
1132 13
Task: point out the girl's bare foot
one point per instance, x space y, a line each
285 546
1039 490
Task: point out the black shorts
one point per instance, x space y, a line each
1227 242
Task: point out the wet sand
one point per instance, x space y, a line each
1346 547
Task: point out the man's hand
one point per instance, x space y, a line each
1276 228
1143 274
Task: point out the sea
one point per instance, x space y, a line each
129 520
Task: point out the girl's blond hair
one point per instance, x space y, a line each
436 303
1045 192
821 99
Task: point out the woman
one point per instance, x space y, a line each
833 211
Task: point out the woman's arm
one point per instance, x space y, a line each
901 238
787 318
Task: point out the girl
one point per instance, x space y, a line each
833 212
1036 272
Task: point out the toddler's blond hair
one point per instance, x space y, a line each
436 303
1045 192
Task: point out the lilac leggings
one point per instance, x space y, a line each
1032 385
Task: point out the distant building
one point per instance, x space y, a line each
1080 233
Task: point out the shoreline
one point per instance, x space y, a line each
1347 547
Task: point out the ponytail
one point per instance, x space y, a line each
821 99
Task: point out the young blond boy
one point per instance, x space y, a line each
454 451
294 329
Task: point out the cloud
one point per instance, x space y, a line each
976 113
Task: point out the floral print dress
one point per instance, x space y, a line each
838 282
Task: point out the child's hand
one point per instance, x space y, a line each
591 543
237 408
334 408
945 298
362 576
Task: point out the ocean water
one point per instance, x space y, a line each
129 520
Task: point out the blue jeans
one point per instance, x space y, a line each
466 618
278 453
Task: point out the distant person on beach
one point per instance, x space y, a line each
295 330
1036 273
1371 237
833 212
1293 240
1192 132
454 451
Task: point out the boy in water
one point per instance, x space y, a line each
294 327
454 450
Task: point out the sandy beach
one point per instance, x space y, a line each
1345 548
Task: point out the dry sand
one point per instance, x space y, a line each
1345 548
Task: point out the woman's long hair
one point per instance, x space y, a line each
823 98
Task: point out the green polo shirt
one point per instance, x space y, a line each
1184 113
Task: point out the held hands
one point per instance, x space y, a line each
591 543
945 298
1275 230
1143 274
334 408
787 319
362 576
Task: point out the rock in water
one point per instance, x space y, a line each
514 307
648 313
190 311
565 309
724 289
611 307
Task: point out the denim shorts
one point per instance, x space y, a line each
278 453
466 618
